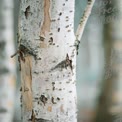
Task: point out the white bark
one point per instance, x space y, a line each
46 28
7 65
83 22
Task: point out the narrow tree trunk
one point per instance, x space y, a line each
7 65
48 60
90 63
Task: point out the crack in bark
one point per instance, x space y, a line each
27 11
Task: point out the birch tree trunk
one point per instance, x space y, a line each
48 60
7 65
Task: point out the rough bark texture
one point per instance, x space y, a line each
7 65
48 62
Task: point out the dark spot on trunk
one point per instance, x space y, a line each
41 38
43 99
53 100
3 110
53 83
58 29
21 89
27 11
39 59
67 26
60 13
58 98
2 45
36 72
89 1
51 33
51 41
3 70
69 31
53 20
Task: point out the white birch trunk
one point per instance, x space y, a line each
7 65
46 29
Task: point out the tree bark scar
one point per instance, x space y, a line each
26 78
33 116
64 64
27 12
47 21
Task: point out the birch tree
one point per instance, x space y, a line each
7 65
47 54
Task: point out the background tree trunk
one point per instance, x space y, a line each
116 99
110 106
90 63
7 65
48 60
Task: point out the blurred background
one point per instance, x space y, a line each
99 62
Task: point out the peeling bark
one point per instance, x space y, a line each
46 22
26 78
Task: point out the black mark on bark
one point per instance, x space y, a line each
27 11
60 14
3 110
43 99
51 41
53 100
58 29
53 83
64 64
32 117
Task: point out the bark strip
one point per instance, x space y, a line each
26 79
47 21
